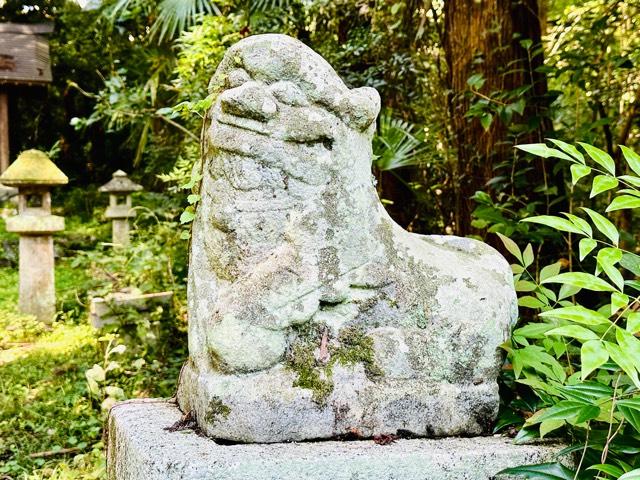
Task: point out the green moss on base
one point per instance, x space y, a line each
351 347
216 410
311 375
354 347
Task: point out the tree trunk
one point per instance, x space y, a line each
486 37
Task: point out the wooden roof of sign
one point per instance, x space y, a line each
24 53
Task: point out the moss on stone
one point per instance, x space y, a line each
33 167
311 375
354 346
351 347
217 363
216 410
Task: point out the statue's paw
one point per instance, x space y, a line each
237 346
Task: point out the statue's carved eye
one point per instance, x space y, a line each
289 94
237 77
327 143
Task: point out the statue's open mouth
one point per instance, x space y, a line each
244 123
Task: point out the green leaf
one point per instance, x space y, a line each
525 286
95 373
476 80
632 158
633 322
549 426
566 410
541 471
593 354
550 271
574 331
631 262
587 392
630 345
601 157
485 121
527 255
567 290
606 468
585 246
567 148
518 106
578 314
193 198
187 215
602 183
93 386
118 349
607 258
558 223
630 409
618 301
580 223
542 150
623 202
535 357
632 475
526 435
582 280
563 410
511 247
604 225
578 171
533 330
619 356
588 412
530 302
635 181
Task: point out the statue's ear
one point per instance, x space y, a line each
360 107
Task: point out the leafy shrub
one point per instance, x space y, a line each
581 358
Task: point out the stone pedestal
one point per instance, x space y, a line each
120 231
37 279
140 448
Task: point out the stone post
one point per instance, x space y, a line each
33 173
119 211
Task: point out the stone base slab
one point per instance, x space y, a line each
139 448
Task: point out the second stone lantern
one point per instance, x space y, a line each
120 188
33 174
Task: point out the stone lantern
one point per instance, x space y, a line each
33 173
119 211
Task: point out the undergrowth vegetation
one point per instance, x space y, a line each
575 366
58 381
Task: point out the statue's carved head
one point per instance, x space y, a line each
282 105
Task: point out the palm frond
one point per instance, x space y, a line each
175 16
261 6
397 144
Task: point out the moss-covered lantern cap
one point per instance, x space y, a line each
120 183
33 167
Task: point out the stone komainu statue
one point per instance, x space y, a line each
311 313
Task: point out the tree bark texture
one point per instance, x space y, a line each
484 37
